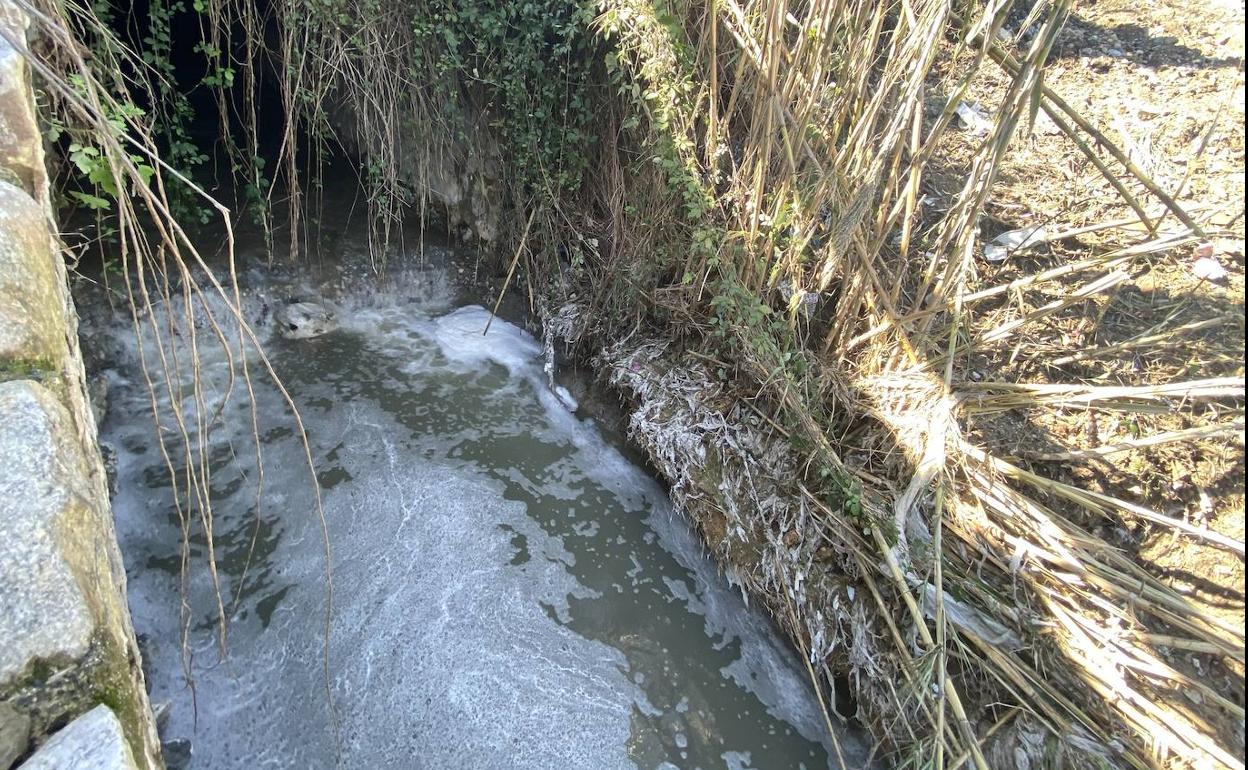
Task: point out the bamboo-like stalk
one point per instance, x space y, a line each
830 125
1189 434
1151 342
1005 331
1018 395
511 270
1059 111
1097 501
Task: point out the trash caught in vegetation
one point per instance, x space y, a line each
1013 242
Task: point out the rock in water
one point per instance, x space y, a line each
93 740
177 754
304 320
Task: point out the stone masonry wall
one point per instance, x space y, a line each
71 687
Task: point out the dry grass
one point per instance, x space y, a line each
1029 567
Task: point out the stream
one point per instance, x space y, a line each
510 590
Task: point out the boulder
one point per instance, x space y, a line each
21 141
303 320
67 638
33 326
94 740
44 613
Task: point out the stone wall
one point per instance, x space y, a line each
456 170
71 687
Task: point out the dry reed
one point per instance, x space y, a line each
810 129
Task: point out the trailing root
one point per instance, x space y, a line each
176 300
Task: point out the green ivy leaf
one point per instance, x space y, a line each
93 202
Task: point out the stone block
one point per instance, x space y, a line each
44 613
67 642
21 142
94 740
32 307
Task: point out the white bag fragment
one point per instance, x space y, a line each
1208 269
1014 241
974 118
1205 265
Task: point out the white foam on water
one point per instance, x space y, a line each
464 339
440 646
738 760
447 648
499 678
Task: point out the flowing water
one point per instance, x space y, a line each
509 591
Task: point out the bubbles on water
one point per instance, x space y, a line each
510 591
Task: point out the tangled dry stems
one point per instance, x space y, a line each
809 129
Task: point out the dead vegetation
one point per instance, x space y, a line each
1026 466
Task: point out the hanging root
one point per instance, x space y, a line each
176 301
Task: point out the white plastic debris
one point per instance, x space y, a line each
1045 125
1014 241
970 619
974 118
1208 269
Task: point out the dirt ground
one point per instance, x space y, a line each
1164 81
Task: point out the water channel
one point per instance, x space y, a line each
510 590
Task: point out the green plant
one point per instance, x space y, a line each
501 55
94 183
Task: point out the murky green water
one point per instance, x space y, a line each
509 591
